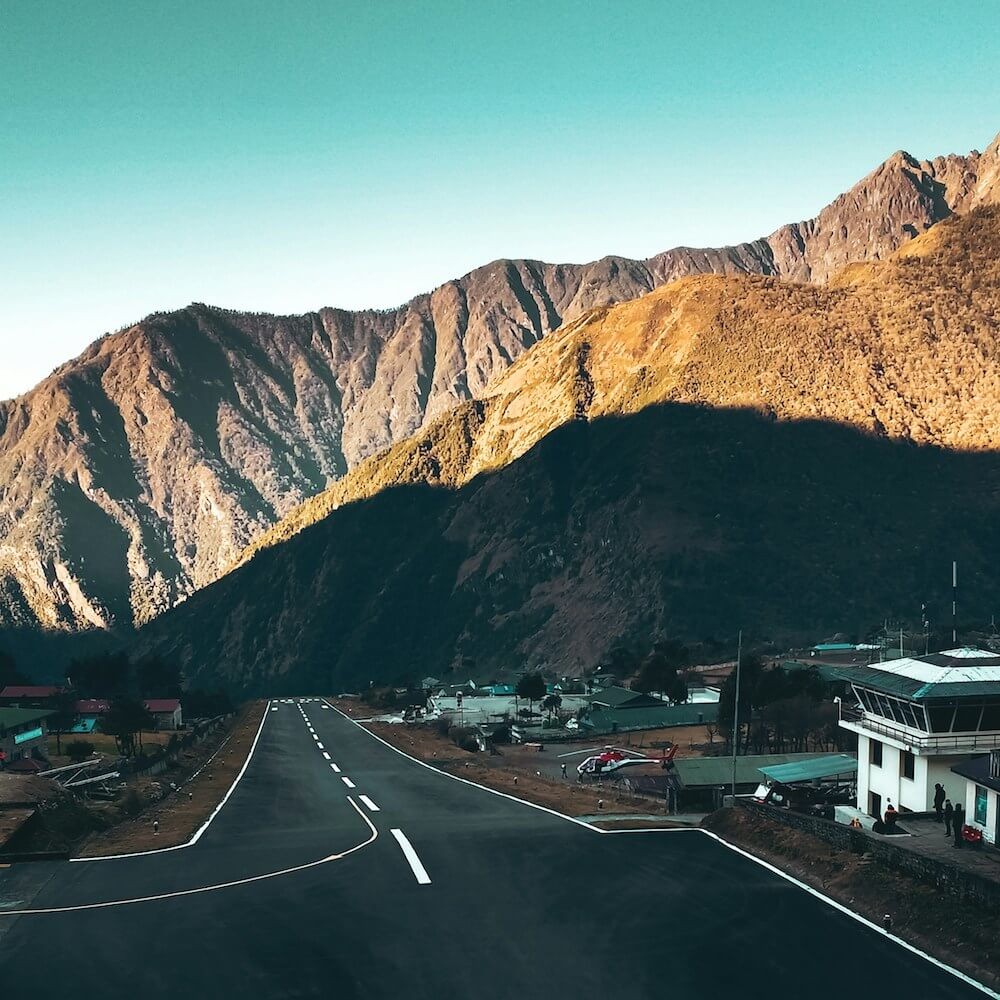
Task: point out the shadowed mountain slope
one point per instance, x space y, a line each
906 348
679 520
138 472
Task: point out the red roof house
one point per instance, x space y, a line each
166 712
30 695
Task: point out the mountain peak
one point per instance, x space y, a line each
180 439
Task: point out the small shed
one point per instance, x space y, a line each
166 712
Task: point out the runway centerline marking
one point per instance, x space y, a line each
335 768
815 893
348 782
326 755
319 745
368 802
419 872
209 888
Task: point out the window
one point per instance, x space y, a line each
876 753
991 718
907 764
909 714
980 814
967 718
940 716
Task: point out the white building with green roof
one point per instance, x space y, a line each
915 719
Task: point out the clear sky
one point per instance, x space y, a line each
285 156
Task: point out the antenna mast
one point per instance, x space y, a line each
954 603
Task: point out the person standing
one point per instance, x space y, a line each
957 823
939 797
949 814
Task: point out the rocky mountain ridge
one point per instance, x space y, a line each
137 473
721 453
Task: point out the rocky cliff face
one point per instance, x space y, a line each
138 472
722 451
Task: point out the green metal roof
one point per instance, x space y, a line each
618 696
11 718
869 675
605 720
807 770
705 771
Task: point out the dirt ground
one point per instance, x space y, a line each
515 772
966 937
204 774
692 741
103 744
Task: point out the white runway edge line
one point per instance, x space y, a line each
788 878
419 872
196 836
368 802
209 888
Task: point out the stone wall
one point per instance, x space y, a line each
952 878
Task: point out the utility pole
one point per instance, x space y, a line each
736 710
954 603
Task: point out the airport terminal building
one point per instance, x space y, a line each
918 717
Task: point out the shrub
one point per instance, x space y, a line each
79 750
132 803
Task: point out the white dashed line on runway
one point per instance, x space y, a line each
368 802
320 745
335 768
348 782
419 872
326 755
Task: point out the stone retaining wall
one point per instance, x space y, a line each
952 878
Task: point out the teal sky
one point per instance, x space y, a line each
286 156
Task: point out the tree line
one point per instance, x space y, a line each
780 711
126 685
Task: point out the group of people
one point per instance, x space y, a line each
953 817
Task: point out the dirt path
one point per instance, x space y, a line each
204 777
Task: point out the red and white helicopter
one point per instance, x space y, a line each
612 759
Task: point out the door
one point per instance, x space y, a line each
875 805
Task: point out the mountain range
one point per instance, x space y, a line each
145 469
721 450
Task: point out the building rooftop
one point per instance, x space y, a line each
978 769
619 697
162 704
702 771
30 691
11 718
965 671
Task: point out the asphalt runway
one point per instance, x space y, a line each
403 882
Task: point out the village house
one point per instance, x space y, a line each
916 720
166 713
23 739
30 695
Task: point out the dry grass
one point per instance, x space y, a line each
567 797
182 812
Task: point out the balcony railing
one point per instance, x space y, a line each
940 742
